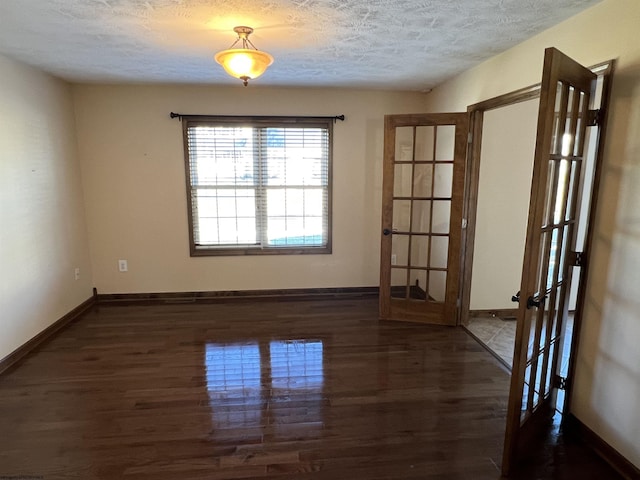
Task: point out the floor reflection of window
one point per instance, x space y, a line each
233 384
296 365
285 399
297 379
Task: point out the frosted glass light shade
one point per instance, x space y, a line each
244 63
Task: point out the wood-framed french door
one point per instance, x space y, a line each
423 189
565 101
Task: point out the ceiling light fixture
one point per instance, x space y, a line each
245 63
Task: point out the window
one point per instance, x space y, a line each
258 185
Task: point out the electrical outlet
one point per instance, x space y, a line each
77 273
394 259
123 266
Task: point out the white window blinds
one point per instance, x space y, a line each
258 185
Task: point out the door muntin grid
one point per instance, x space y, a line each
557 238
422 196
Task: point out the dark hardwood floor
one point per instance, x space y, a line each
278 390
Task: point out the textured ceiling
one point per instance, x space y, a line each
398 44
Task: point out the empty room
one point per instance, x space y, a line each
319 239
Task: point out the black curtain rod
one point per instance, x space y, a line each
180 115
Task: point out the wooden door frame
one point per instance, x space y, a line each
472 183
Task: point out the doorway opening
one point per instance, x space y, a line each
505 169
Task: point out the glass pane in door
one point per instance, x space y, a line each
404 144
443 182
439 252
400 250
401 215
421 218
399 283
445 143
441 216
418 279
437 285
420 252
423 180
402 180
425 138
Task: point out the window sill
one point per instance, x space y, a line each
230 252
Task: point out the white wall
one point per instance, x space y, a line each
607 383
43 235
506 165
133 173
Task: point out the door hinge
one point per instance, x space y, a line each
577 259
594 117
458 303
470 138
464 223
559 382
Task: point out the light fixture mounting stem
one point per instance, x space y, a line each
243 36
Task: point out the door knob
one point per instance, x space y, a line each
516 298
532 302
386 231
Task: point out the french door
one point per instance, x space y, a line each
423 188
565 99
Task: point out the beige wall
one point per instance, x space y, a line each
506 164
607 383
43 233
133 173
